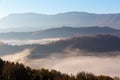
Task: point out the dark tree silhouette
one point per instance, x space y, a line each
17 71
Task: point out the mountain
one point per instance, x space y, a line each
61 32
89 45
33 21
71 31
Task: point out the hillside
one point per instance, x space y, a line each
94 45
33 21
61 32
97 43
17 71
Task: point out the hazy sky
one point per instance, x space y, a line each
57 6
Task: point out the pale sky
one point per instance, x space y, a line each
58 6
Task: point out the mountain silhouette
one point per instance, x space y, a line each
33 21
61 32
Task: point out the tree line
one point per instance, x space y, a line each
18 71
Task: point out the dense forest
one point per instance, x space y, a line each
18 71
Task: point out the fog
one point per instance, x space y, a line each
17 57
70 63
27 42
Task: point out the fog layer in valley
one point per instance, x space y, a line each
27 42
70 63
98 54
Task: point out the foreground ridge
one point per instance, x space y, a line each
18 71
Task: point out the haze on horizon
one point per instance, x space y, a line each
51 8
58 6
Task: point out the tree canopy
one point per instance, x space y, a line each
18 71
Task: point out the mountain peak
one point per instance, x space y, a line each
25 14
73 12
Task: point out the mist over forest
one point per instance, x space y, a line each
68 55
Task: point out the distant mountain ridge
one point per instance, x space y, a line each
33 21
61 32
